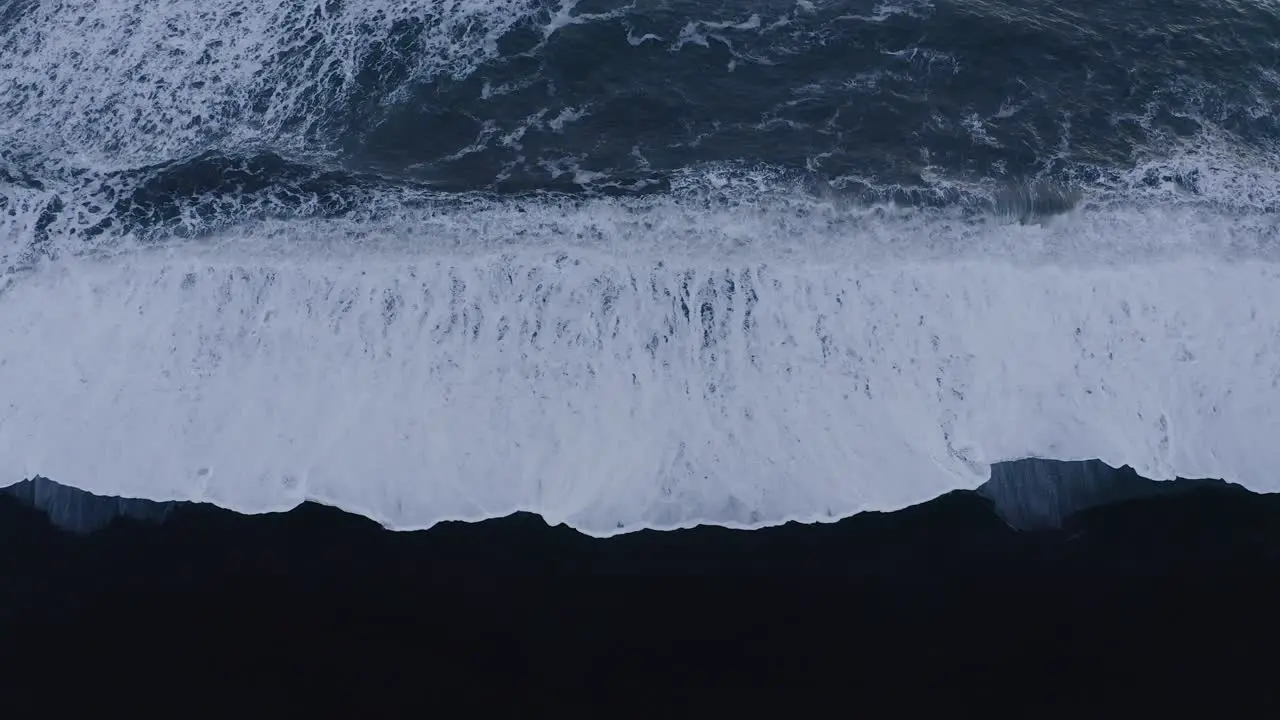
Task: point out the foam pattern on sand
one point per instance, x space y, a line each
619 390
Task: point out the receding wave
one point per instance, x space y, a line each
616 369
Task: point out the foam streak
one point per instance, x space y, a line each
616 393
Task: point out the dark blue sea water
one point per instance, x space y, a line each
176 118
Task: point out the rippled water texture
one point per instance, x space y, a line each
121 117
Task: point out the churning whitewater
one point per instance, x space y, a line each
627 265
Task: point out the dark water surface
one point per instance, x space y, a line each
191 119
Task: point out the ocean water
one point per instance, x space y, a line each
627 265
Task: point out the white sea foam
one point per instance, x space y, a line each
115 85
591 363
